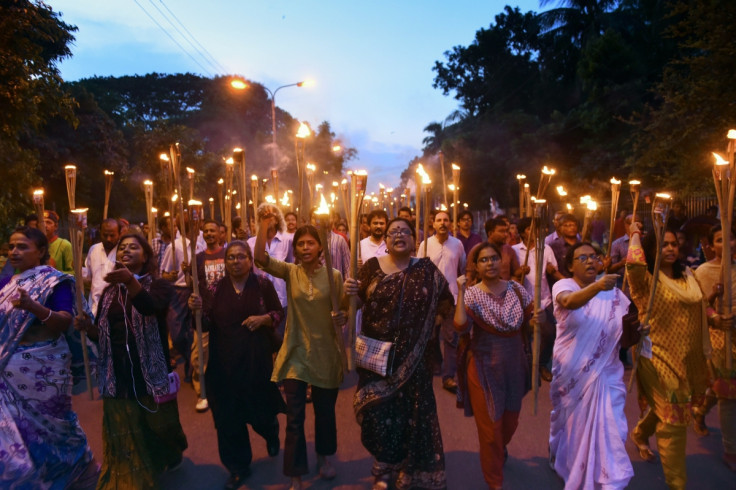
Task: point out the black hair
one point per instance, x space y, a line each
484 246
463 214
570 255
306 230
406 222
37 237
377 213
523 224
150 266
494 223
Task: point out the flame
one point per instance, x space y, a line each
107 172
455 166
269 199
360 172
154 210
318 187
592 205
237 205
148 183
238 84
548 171
561 191
174 198
312 167
344 181
390 190
614 181
190 170
380 187
520 176
237 150
634 182
166 214
285 199
194 202
336 148
70 167
569 207
540 201
164 157
38 192
335 183
423 174
443 207
526 186
80 210
731 134
451 187
719 159
662 195
323 209
585 199
254 178
303 131
221 181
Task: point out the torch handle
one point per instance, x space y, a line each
77 242
197 313
334 300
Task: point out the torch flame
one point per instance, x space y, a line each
526 186
344 181
540 201
190 170
323 209
335 183
194 202
311 166
634 182
164 157
360 172
147 183
569 206
254 178
614 181
174 198
585 199
212 199
285 199
80 210
229 161
38 192
221 181
303 131
269 199
455 167
731 134
561 191
154 210
719 159
70 167
592 205
381 186
548 171
451 187
662 195
107 172
520 176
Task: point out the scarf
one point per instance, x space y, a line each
147 340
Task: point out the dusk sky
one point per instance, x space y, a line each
371 61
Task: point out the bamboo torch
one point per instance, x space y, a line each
323 216
591 207
521 178
108 188
634 188
239 159
528 201
455 192
358 183
254 191
311 168
275 182
190 178
346 202
426 189
78 222
70 172
723 177
442 169
221 198
175 167
541 218
229 197
38 203
212 207
301 136
660 210
148 191
195 214
418 199
615 193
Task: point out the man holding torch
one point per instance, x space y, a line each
60 249
101 260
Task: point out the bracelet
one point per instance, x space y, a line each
636 232
51 312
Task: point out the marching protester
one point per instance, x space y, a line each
309 354
448 254
101 259
396 410
60 249
587 424
567 236
279 247
497 231
493 370
374 245
723 387
210 269
39 425
672 374
141 433
240 312
465 232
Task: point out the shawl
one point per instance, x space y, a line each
147 340
39 282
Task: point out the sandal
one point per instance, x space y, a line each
643 446
699 423
327 471
382 482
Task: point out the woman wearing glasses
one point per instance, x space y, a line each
403 300
588 425
241 314
492 371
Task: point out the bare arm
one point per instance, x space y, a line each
461 317
259 250
573 300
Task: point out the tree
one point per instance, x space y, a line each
33 40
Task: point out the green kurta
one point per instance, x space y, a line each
309 352
60 251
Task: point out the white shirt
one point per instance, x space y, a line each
167 264
370 249
549 258
449 257
96 266
280 248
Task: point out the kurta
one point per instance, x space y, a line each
398 413
587 424
677 342
309 352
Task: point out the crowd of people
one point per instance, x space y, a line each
274 321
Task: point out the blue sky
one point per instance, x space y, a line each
371 61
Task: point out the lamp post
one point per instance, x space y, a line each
239 84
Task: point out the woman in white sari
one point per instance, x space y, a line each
588 425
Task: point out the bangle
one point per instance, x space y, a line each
51 312
635 232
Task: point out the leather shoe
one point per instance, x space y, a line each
450 385
272 447
545 374
237 480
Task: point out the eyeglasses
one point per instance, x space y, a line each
467 218
489 258
583 258
239 257
398 232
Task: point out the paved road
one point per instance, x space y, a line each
526 468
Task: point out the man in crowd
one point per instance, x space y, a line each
100 260
290 220
497 231
60 250
374 245
465 233
526 255
162 242
405 213
339 250
448 255
210 269
567 236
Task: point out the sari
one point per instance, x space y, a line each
398 413
42 444
587 424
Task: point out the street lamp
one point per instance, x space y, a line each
239 84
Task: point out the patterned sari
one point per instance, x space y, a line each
398 413
41 442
